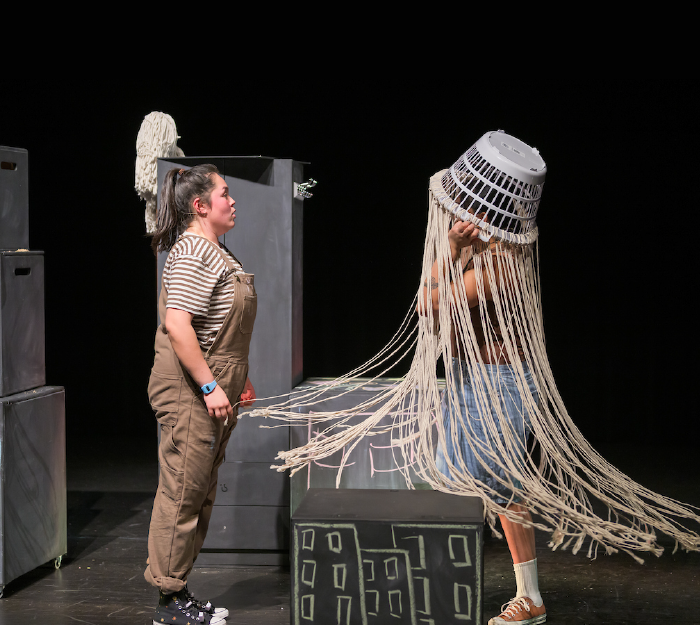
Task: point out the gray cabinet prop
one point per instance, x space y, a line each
14 198
32 481
22 327
250 520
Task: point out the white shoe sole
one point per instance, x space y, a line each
535 620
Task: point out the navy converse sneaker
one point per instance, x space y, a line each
205 606
177 609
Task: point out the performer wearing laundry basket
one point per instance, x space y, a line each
481 312
485 416
527 608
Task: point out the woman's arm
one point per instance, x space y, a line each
183 338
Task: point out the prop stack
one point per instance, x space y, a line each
32 415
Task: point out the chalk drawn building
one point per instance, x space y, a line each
328 585
382 567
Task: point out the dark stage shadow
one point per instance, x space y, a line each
96 519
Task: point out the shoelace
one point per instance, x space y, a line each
200 604
199 618
515 605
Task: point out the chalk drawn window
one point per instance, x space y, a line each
420 544
307 539
308 572
307 607
422 586
335 544
343 613
339 573
391 567
369 570
372 601
459 551
395 607
463 602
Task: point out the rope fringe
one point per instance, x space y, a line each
570 474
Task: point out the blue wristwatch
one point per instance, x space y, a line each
208 388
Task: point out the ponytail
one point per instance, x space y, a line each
175 212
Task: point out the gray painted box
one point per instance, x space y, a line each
22 324
372 463
14 198
251 484
33 527
239 528
380 557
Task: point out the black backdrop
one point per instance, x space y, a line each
618 225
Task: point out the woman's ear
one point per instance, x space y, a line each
199 207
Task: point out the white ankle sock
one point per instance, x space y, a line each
526 580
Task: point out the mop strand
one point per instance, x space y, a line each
157 138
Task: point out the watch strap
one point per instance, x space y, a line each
208 388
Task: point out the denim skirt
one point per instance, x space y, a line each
470 424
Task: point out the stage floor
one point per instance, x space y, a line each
109 503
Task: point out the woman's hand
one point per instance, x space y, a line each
248 395
218 404
462 234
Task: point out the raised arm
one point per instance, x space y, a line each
462 234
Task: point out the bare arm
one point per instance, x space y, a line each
183 338
461 235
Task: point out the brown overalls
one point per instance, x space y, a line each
192 443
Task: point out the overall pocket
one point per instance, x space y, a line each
250 309
171 464
164 393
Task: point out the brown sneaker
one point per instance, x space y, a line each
520 610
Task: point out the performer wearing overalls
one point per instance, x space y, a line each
194 391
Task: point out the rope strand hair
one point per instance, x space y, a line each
177 194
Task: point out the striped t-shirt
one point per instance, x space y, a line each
199 281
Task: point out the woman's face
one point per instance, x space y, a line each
222 214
